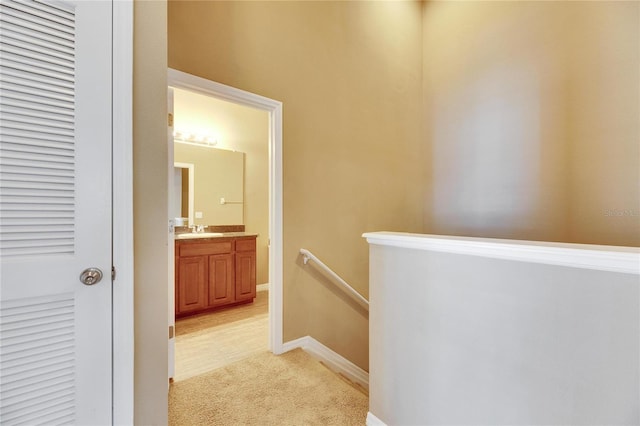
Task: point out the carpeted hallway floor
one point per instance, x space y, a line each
265 389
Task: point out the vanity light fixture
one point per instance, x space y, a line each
194 139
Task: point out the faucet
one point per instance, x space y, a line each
197 228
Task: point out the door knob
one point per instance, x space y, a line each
91 276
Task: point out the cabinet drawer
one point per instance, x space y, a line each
246 245
199 249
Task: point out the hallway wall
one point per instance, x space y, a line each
495 119
533 120
150 237
349 76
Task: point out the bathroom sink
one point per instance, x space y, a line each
191 235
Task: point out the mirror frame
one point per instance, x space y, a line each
191 172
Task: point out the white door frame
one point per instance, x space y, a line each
171 270
182 80
123 308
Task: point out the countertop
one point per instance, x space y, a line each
213 235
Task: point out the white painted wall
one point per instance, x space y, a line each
474 339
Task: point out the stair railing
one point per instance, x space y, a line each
307 256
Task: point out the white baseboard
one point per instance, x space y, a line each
331 359
373 420
262 287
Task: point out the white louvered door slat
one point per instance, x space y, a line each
27 16
18 105
44 11
62 90
20 32
34 66
19 136
38 77
16 42
55 212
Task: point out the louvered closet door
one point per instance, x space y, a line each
55 212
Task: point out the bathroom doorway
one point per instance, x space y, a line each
208 122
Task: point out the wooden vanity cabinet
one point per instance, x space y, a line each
191 292
245 270
211 273
221 280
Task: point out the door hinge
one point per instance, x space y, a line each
113 273
170 120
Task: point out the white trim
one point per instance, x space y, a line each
625 260
123 308
192 182
171 252
374 421
186 81
295 344
262 287
331 359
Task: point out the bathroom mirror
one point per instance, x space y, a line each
211 188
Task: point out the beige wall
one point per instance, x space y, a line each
150 163
532 120
242 129
349 76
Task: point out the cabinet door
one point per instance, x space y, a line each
245 275
192 283
221 279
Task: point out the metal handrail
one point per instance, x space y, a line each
307 255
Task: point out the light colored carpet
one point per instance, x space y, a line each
265 389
